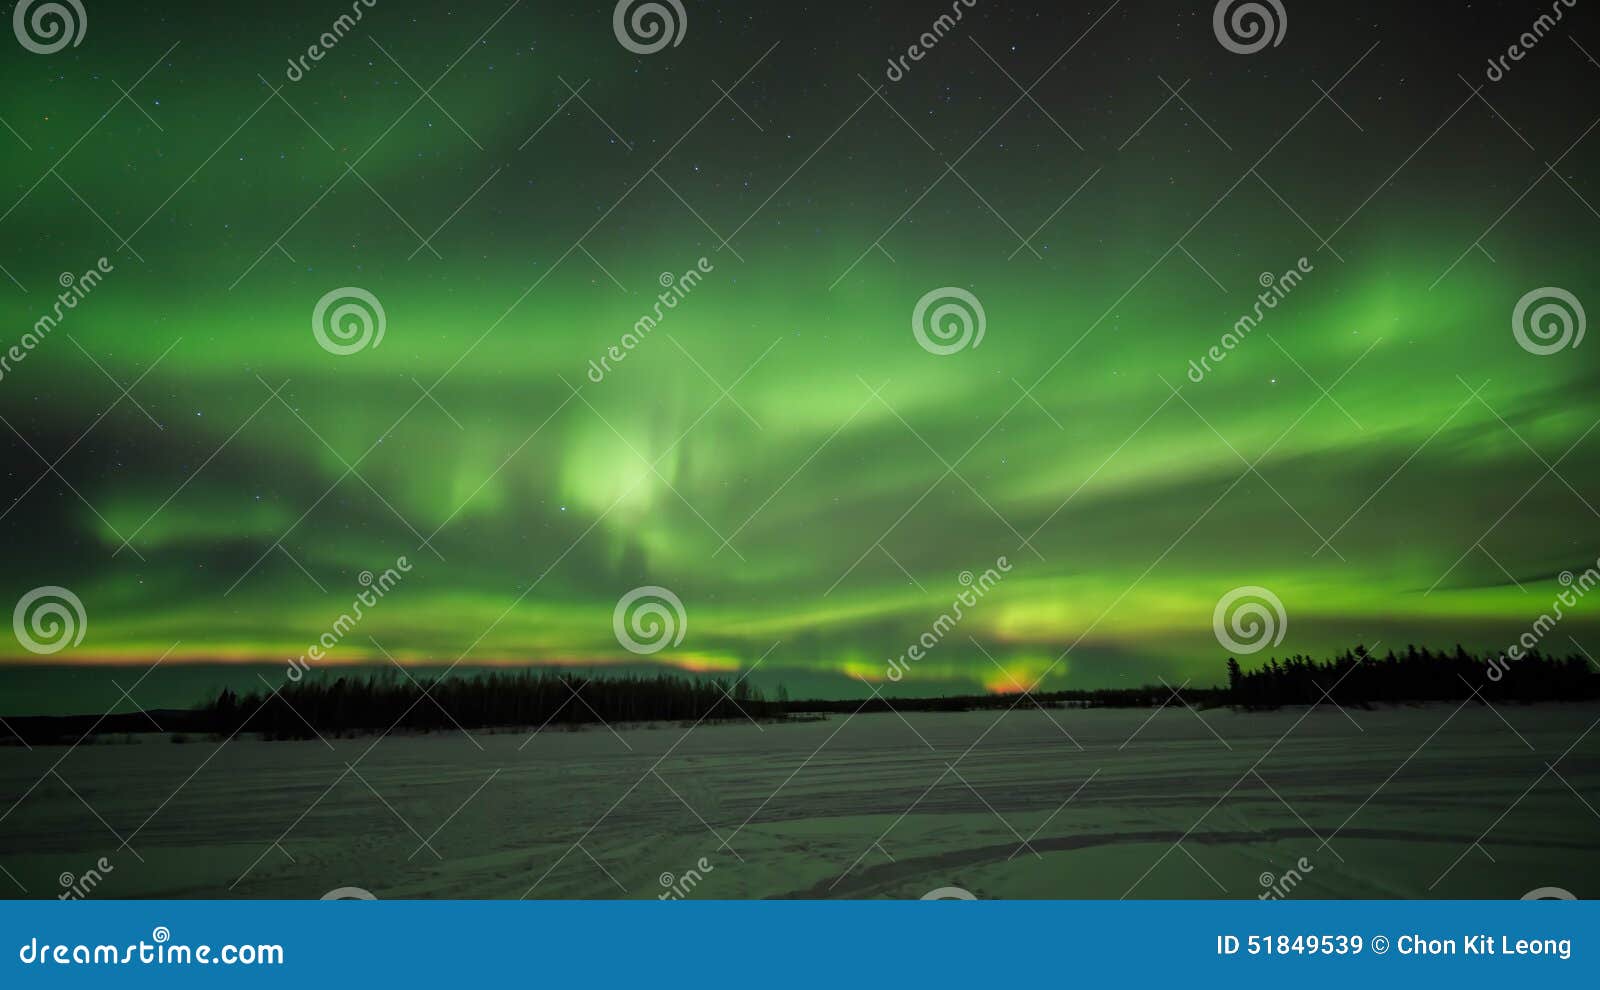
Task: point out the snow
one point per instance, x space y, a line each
1436 801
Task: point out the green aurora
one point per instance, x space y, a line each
853 475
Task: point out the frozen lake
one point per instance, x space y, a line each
1439 801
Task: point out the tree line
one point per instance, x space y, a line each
542 698
1356 677
528 698
376 703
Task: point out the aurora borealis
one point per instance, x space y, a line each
777 449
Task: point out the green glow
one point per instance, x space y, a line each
545 516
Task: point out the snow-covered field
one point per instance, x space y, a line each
1436 801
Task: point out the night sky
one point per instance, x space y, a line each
780 451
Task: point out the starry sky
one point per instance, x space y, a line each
510 182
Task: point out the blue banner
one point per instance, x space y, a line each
756 945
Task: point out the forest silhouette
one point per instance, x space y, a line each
528 700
